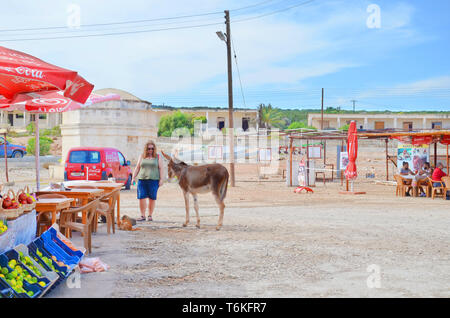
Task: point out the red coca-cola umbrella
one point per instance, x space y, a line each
47 102
352 150
23 73
30 83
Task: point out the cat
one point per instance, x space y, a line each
127 224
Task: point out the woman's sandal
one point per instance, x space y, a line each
149 218
142 218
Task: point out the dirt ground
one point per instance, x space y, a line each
276 243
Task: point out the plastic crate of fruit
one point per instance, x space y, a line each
53 235
33 267
28 275
57 255
44 258
5 290
25 254
60 254
13 274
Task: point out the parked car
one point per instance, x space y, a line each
12 151
97 163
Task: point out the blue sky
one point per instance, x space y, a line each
284 58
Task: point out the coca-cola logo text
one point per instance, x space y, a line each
29 72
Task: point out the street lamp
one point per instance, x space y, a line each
221 36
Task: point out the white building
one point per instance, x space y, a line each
382 121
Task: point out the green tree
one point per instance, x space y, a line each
270 117
44 145
169 123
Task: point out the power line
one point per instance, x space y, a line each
137 21
148 30
239 74
109 34
276 11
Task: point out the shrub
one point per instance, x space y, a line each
299 124
44 145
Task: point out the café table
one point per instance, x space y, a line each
53 205
108 187
414 183
84 195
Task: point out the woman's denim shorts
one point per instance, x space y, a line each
147 189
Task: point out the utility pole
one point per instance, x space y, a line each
230 96
321 122
353 101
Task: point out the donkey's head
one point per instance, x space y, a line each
175 166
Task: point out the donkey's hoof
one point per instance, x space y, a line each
217 228
197 226
185 224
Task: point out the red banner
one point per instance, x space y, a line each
422 140
445 140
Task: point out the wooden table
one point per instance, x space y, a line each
84 195
53 205
108 187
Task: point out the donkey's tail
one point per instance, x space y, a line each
223 188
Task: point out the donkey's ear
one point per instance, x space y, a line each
166 156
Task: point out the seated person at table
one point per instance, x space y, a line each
422 175
438 174
404 171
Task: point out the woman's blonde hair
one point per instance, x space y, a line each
148 143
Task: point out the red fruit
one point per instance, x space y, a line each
29 200
22 197
6 203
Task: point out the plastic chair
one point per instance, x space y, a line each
66 222
402 187
436 190
446 181
42 218
106 208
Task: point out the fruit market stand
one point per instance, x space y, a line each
31 266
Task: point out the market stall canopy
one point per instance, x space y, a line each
23 73
413 137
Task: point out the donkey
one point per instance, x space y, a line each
200 179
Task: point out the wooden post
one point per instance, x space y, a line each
6 158
387 160
340 171
435 154
36 151
230 98
448 172
290 160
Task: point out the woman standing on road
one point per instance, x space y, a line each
149 171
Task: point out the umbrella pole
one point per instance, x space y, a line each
6 159
36 150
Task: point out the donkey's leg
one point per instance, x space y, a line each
222 208
196 209
186 204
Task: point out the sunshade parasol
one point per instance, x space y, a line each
28 82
